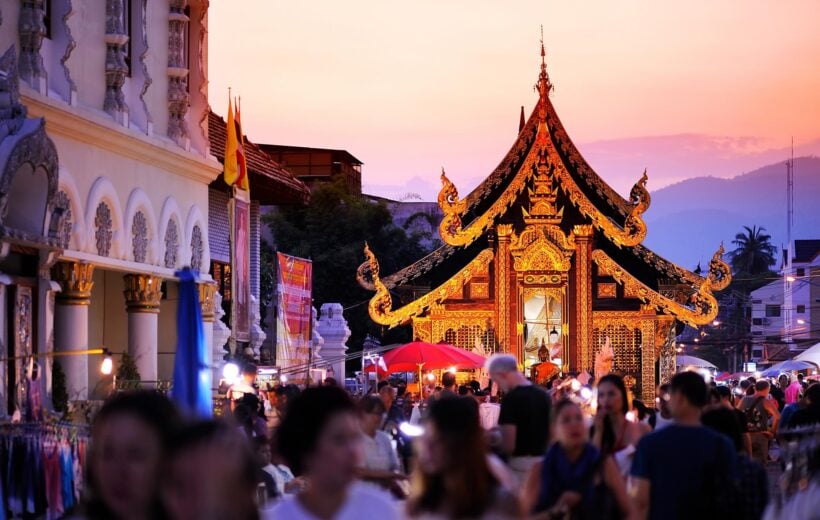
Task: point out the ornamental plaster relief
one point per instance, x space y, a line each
196 219
102 191
138 201
78 228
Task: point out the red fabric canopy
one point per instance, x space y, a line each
430 356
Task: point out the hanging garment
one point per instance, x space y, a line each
67 476
53 480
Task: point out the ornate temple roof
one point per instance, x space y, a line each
502 197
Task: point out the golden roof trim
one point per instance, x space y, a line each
704 307
451 228
633 230
381 309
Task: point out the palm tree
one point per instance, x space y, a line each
754 252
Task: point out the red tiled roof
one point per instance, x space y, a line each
271 184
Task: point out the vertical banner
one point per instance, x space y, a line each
294 303
241 269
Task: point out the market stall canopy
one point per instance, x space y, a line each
429 356
812 354
692 361
788 366
737 376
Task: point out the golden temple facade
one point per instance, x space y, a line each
544 260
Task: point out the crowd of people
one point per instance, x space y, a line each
566 451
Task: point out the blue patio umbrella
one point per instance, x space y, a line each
192 375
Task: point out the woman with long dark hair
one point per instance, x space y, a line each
130 438
613 434
574 480
453 478
320 439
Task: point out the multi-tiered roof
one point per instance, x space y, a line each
506 197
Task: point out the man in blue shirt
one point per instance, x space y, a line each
683 470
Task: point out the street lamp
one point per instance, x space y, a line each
801 321
790 278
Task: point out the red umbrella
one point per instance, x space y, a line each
419 354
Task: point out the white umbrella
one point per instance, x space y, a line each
812 354
788 366
692 361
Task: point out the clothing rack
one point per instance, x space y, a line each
41 468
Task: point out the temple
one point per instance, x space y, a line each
544 260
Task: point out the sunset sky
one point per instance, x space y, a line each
683 89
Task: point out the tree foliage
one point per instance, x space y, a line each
754 253
331 231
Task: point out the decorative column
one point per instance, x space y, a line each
581 341
116 70
142 297
76 280
207 291
178 73
220 333
333 328
257 334
32 30
502 288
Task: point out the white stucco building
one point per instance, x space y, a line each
767 319
106 180
801 276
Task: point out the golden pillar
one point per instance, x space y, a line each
581 344
502 289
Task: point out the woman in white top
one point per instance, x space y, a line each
380 464
613 434
320 439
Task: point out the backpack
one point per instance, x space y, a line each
755 420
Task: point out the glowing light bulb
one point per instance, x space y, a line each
431 377
801 322
230 372
790 278
452 370
283 379
586 393
107 366
575 385
630 416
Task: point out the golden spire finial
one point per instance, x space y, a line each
544 85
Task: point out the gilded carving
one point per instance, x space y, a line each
453 207
380 307
719 272
634 229
607 290
76 280
703 306
541 255
142 292
479 290
207 291
583 299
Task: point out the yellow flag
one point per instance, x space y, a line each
231 145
